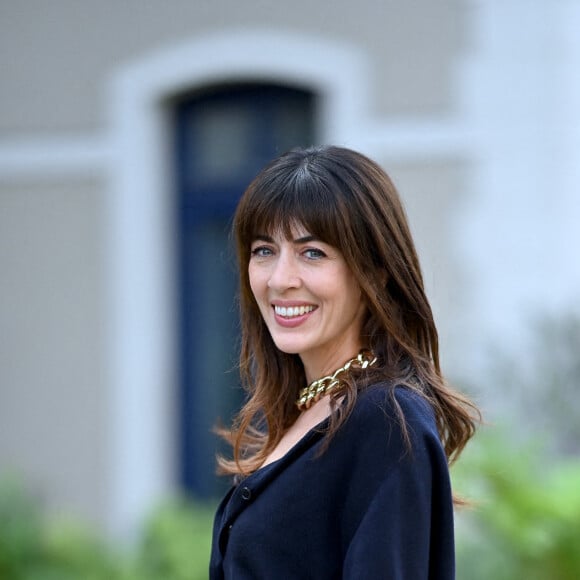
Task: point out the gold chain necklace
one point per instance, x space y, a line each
316 389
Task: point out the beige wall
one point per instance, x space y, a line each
434 193
51 343
56 57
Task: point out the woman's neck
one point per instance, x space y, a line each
320 365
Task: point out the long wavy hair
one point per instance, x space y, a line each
346 200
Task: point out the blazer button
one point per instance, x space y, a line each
246 493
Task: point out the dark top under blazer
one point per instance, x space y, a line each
366 509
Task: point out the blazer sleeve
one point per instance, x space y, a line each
406 530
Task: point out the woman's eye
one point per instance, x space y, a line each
261 252
314 254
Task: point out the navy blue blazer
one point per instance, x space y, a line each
366 509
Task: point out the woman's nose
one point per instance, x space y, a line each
284 274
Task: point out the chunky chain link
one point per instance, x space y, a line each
316 389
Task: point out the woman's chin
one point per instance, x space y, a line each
287 349
289 346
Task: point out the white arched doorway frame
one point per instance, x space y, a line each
141 327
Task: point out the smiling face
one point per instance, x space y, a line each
309 299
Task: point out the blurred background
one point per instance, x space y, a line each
128 131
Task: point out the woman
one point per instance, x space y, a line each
341 452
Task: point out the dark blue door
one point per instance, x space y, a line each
223 137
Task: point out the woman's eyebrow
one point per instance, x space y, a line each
305 239
263 238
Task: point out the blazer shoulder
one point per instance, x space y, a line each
389 399
383 405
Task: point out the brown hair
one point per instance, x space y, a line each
346 200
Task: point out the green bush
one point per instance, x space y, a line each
32 548
526 521
175 544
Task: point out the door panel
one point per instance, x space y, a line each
223 138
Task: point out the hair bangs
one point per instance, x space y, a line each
291 202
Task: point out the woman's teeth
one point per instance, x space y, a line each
289 312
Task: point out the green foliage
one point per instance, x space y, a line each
20 533
526 522
175 544
31 548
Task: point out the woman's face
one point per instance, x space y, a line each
309 298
